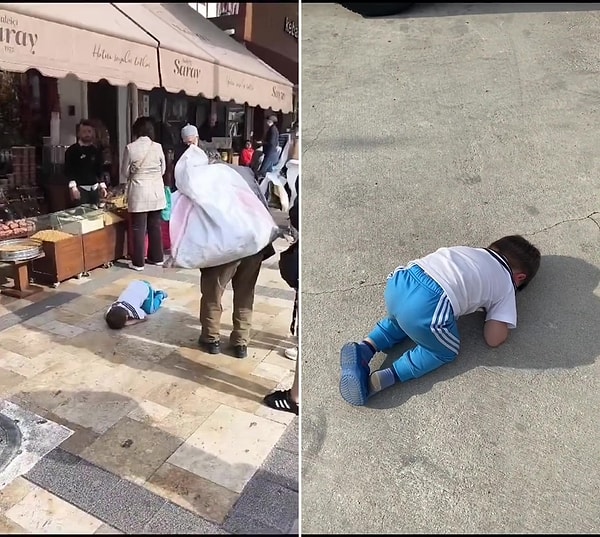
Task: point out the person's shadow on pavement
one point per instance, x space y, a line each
557 328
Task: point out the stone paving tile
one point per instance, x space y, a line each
13 493
267 503
192 492
8 527
149 412
95 410
9 381
73 479
132 449
271 371
21 365
285 418
86 305
241 524
215 452
182 425
289 441
152 386
128 507
280 467
40 511
172 519
61 329
23 340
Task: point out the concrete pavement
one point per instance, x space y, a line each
453 124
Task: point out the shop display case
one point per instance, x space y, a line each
76 241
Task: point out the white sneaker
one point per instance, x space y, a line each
133 267
292 353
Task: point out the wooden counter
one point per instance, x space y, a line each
73 257
62 260
103 246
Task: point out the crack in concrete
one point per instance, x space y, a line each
312 142
580 219
332 291
377 284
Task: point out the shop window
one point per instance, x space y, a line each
11 125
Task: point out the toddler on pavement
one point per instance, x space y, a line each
425 298
138 300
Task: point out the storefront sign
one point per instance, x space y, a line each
290 27
32 42
11 36
185 68
239 84
100 52
278 94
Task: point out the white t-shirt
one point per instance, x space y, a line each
133 297
473 278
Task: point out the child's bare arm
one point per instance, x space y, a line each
495 333
135 321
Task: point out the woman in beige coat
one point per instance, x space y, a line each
143 168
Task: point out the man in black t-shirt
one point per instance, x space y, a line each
84 167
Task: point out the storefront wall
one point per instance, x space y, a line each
274 27
72 94
270 32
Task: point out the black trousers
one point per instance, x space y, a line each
140 224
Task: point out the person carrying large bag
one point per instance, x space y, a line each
220 224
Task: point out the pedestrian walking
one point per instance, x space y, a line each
270 147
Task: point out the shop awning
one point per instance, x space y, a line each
91 41
183 66
197 57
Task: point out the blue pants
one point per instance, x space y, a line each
269 160
154 300
419 309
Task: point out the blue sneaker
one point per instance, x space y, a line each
355 375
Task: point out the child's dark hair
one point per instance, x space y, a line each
521 255
116 317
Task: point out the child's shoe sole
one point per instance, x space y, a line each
355 374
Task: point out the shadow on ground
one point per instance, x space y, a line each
557 329
451 9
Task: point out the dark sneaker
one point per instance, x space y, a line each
211 347
355 375
282 400
240 351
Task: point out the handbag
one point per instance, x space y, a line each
165 214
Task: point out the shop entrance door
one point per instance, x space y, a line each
103 106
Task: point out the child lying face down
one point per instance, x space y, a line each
137 301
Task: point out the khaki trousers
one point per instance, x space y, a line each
243 275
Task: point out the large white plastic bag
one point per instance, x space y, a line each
215 216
